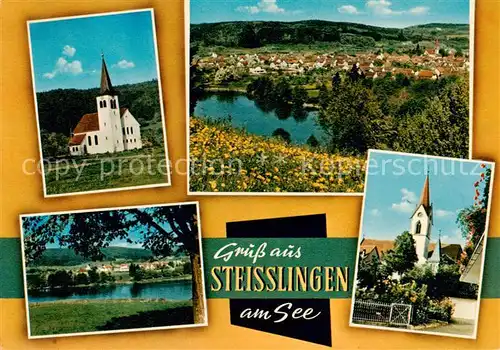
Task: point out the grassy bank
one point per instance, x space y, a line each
64 317
106 172
230 160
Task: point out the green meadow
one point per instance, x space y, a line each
106 315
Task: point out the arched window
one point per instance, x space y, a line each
96 140
418 228
132 130
100 104
128 130
89 140
104 103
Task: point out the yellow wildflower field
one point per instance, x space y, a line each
223 159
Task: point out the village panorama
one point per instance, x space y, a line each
319 94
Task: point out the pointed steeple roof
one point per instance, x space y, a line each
106 86
425 197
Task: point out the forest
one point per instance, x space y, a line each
258 34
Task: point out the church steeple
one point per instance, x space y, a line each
425 196
106 86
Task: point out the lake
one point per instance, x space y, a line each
167 290
247 114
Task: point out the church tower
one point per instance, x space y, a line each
421 223
108 109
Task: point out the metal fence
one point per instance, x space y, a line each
370 311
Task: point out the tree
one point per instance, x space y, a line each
54 144
60 279
353 121
94 275
404 256
248 37
312 141
81 278
336 79
163 230
282 134
369 273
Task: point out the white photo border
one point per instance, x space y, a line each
168 183
187 46
353 298
132 330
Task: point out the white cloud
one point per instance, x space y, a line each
68 51
269 6
384 8
124 64
64 66
440 213
407 203
419 10
375 212
349 9
49 75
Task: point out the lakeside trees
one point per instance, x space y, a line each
162 230
429 117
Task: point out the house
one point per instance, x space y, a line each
257 71
124 268
472 272
112 129
426 75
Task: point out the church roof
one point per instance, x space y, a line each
88 123
106 86
425 198
77 140
452 251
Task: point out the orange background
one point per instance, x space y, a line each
22 193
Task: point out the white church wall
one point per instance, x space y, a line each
132 134
422 239
110 124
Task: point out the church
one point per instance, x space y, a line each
421 223
112 129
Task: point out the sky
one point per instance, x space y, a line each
134 234
385 13
66 53
393 189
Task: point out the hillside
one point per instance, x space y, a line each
258 34
60 110
67 257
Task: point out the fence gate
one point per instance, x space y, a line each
400 314
376 312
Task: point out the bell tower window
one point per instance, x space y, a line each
418 228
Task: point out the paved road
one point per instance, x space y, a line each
458 326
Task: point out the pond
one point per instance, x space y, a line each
258 120
167 290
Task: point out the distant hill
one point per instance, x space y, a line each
67 257
258 34
60 110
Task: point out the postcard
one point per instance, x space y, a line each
113 270
98 103
422 244
286 97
